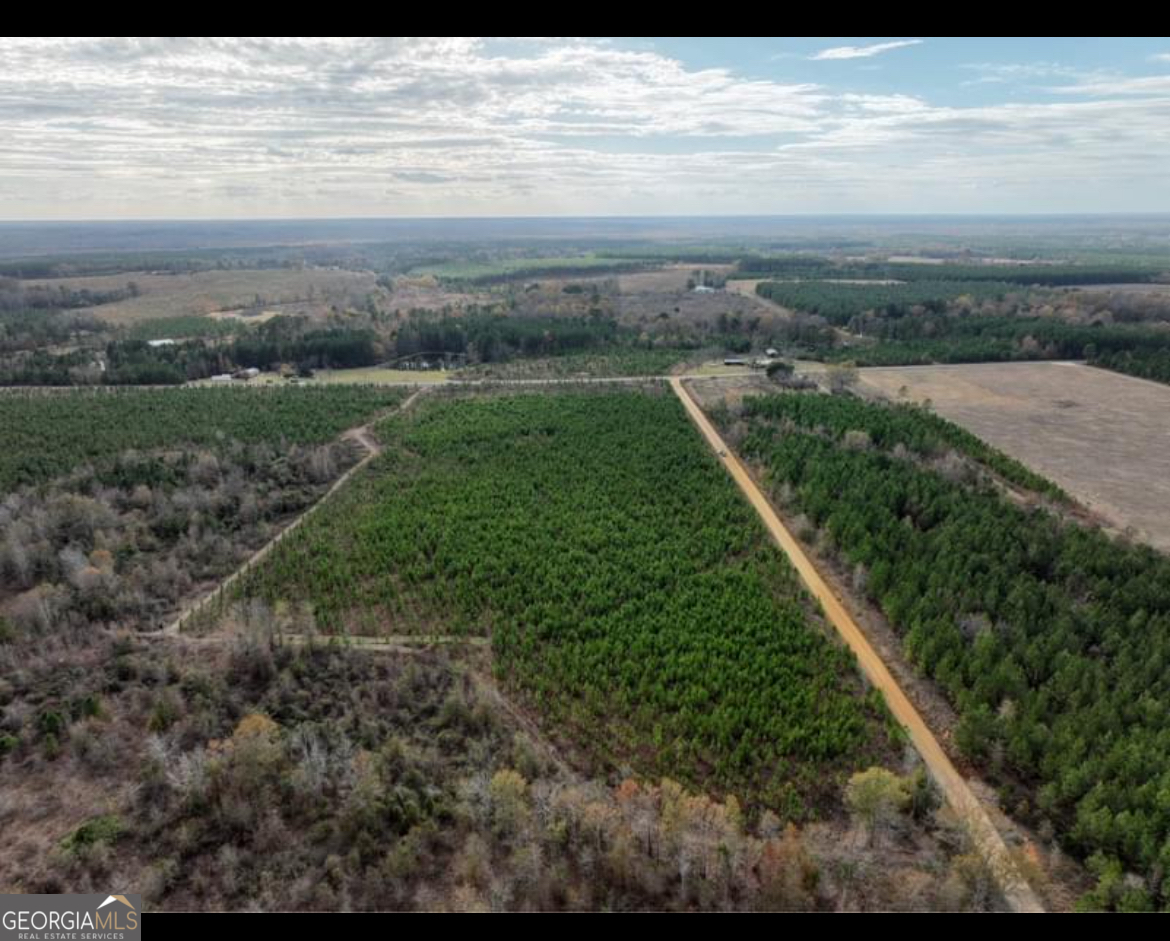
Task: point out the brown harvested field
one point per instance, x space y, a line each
1102 436
648 294
293 290
665 279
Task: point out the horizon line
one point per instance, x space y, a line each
631 217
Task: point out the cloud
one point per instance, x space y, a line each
1117 85
862 52
1004 72
467 126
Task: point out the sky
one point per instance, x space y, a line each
280 128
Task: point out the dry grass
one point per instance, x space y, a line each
308 290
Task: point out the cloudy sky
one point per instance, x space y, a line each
196 128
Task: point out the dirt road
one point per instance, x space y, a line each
364 436
958 794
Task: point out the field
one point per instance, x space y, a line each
630 595
288 290
1099 435
666 279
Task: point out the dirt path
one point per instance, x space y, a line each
1017 892
363 435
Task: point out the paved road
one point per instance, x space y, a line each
959 795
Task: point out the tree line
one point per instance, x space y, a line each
1051 639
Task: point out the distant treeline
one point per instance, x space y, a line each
28 329
974 339
840 303
489 272
1145 363
136 362
14 295
180 262
695 255
489 338
1052 275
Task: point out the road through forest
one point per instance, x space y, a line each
1017 892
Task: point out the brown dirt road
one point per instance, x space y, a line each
364 436
1018 894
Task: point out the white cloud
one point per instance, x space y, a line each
862 52
1117 85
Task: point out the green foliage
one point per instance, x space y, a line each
876 796
839 303
627 588
490 269
1051 639
948 338
50 434
602 363
813 267
51 722
185 326
495 337
1146 363
105 829
1114 892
